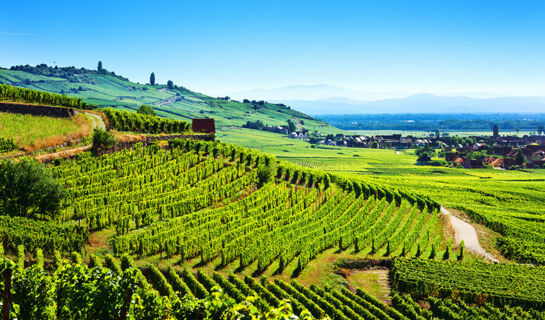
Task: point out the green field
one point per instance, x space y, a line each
184 217
35 132
509 202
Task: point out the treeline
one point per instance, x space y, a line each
431 122
72 74
130 121
12 93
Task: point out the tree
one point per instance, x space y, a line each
99 67
147 110
152 79
28 189
426 149
519 158
437 133
540 130
170 84
291 126
102 139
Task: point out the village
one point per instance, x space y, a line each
502 152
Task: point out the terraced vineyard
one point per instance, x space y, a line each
209 200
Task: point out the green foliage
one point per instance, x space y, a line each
499 284
140 122
102 140
264 174
152 79
291 126
7 144
28 189
12 93
519 158
146 110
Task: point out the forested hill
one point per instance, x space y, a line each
106 89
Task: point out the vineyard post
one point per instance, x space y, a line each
7 289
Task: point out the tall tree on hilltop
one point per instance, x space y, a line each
152 79
170 84
99 67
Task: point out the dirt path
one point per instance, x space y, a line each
466 232
96 120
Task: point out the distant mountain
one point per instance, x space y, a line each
420 103
309 92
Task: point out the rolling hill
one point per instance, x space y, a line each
106 89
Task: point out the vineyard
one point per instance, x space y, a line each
477 282
224 204
510 203
190 229
111 289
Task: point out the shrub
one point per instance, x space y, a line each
28 189
102 139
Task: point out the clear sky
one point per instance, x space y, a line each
442 47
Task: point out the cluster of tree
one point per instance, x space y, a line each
258 125
435 122
72 74
146 110
28 189
12 93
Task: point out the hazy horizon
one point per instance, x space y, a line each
387 49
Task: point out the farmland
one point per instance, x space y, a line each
257 214
508 202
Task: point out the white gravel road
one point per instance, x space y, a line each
466 232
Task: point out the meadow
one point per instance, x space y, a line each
36 132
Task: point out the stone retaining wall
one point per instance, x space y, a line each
37 110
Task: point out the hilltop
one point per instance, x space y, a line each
106 89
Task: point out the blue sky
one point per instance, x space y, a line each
442 47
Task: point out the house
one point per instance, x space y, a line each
203 125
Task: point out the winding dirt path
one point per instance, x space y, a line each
466 232
96 120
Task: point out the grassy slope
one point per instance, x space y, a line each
108 91
36 132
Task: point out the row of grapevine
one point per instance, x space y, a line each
131 121
499 284
12 93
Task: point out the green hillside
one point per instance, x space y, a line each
106 89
